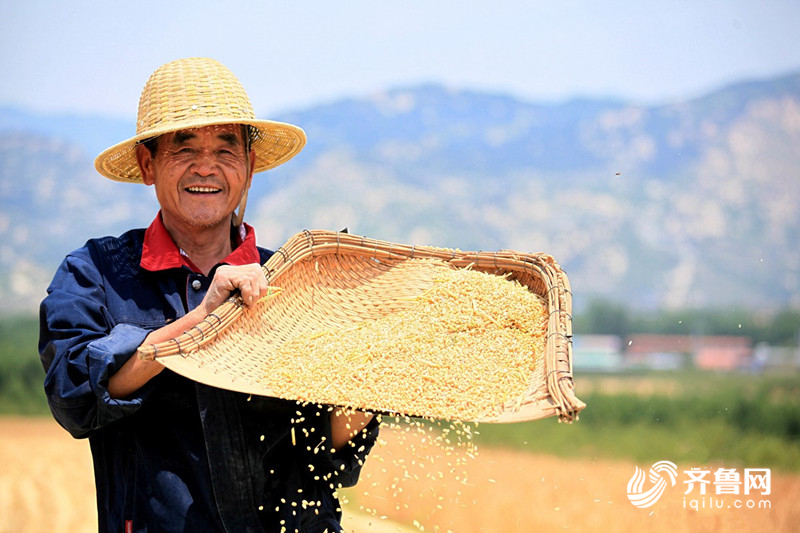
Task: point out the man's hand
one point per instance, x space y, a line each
346 424
248 279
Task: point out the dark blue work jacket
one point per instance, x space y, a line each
178 455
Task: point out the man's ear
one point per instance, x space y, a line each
145 160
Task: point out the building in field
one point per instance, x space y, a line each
768 358
672 352
597 353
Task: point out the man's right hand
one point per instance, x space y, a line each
248 279
252 285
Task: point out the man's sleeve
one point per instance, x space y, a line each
80 346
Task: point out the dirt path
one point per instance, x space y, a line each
46 485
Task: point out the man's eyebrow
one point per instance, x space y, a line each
182 136
231 138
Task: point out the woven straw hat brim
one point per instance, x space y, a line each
275 144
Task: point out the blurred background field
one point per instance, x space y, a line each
693 416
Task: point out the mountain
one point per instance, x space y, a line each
689 204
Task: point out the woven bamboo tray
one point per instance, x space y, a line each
334 280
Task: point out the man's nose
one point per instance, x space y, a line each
204 163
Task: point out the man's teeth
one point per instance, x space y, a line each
201 189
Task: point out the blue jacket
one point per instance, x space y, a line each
178 455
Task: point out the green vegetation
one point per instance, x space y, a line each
778 328
687 417
21 373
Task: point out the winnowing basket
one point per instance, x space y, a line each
331 283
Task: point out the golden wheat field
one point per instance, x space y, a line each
410 483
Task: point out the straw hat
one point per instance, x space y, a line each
192 93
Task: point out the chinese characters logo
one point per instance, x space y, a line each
725 481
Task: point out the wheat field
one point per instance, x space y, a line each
410 483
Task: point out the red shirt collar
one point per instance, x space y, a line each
160 252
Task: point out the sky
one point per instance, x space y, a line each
95 57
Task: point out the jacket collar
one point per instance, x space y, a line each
159 251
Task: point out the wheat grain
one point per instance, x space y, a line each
461 350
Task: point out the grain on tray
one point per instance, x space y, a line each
460 350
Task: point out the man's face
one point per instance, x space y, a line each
199 174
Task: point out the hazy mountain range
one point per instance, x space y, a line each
695 203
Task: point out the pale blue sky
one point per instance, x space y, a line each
96 56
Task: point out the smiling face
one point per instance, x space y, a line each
199 175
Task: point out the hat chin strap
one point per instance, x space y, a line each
239 215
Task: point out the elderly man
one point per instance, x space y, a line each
171 454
